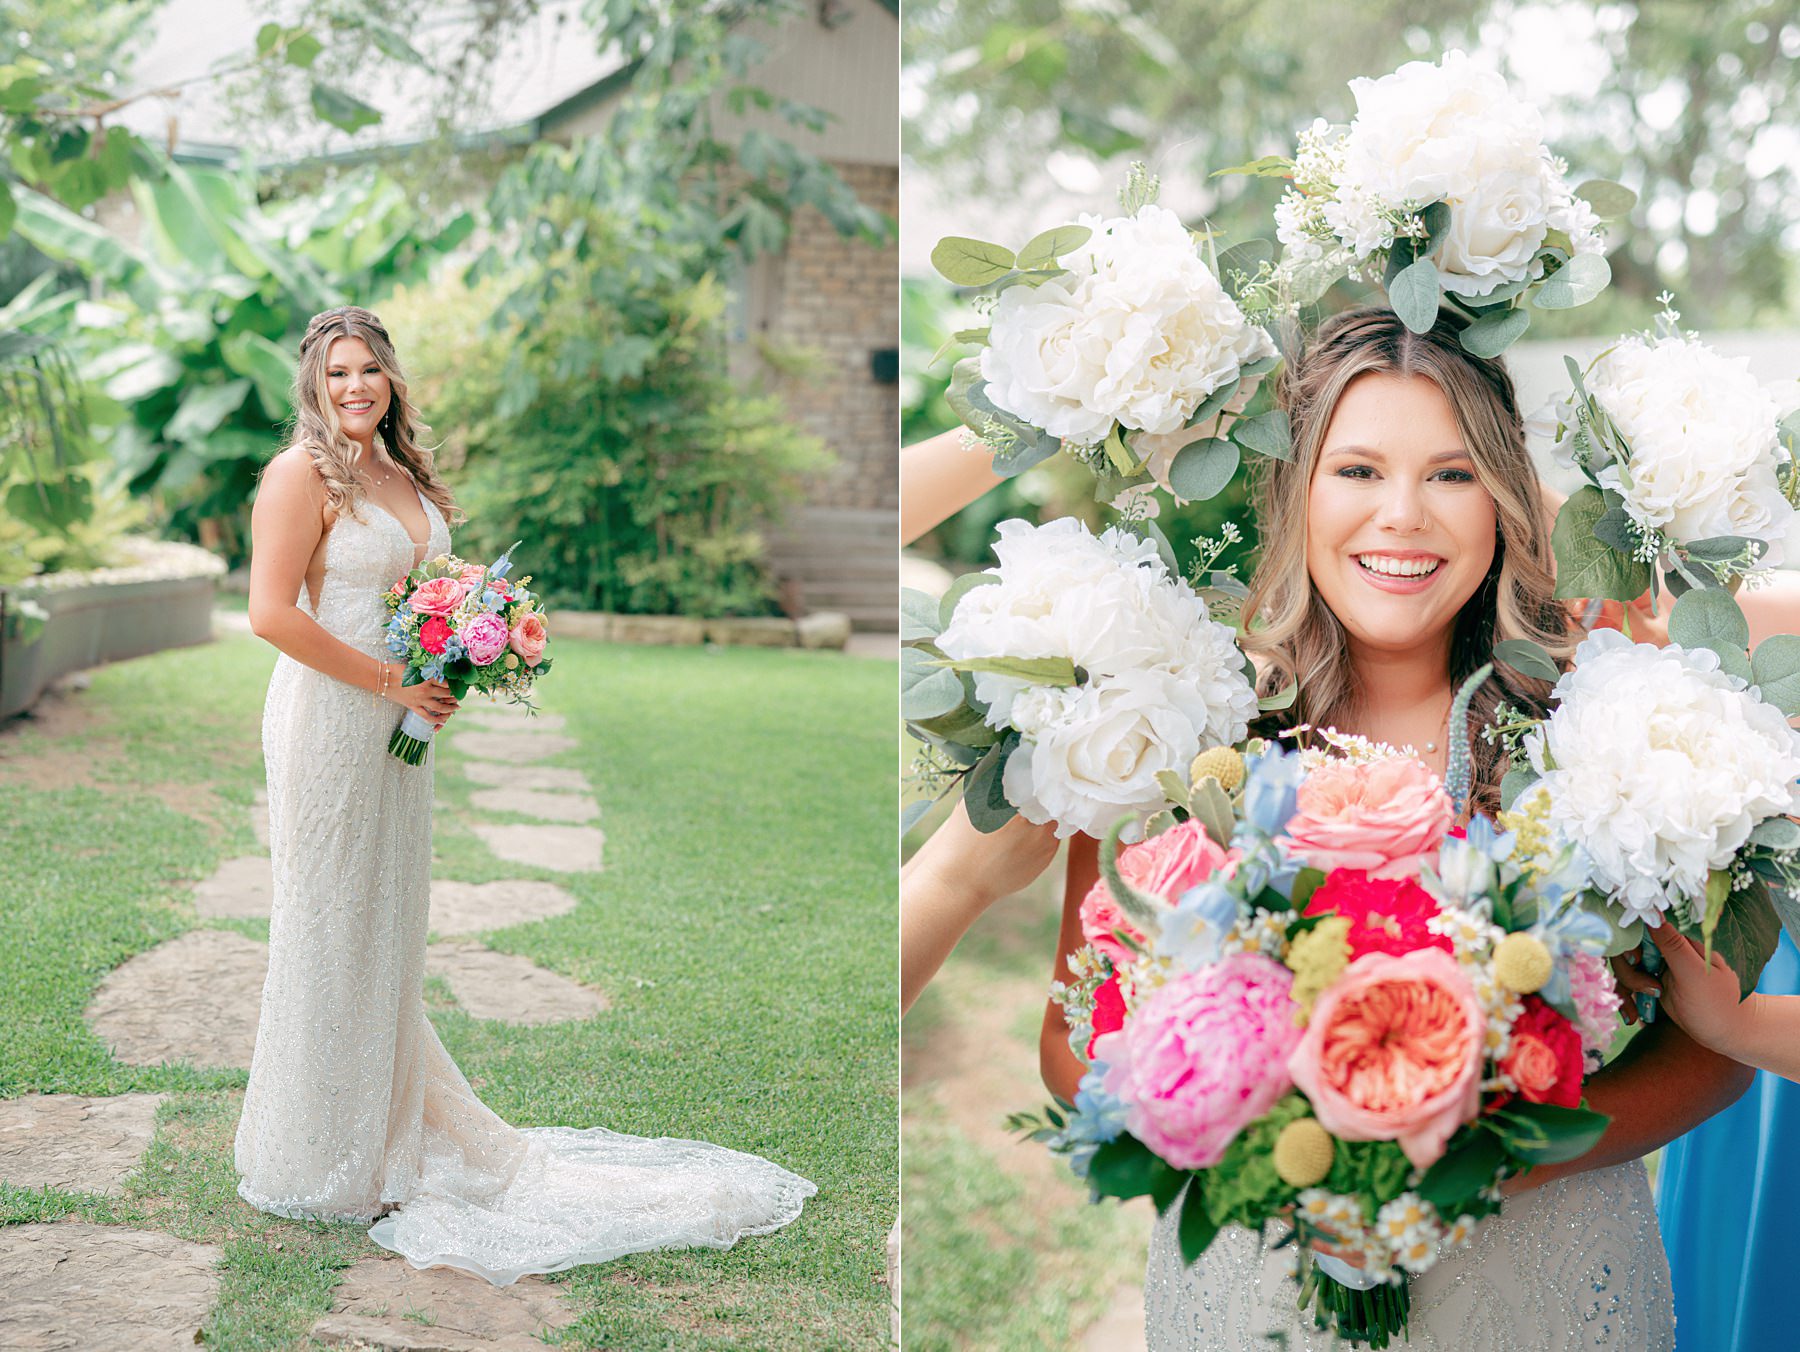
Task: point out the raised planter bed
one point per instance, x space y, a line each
160 597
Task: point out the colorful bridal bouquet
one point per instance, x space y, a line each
1441 188
1312 1008
1064 680
1673 769
471 628
1689 468
1102 335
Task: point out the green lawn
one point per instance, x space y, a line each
744 927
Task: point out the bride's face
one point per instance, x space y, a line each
1399 533
357 387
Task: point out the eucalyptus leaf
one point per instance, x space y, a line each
1732 660
918 614
1709 617
1036 670
1046 248
962 726
1495 331
1587 567
984 796
1575 283
971 262
1202 469
1514 783
1610 201
1414 295
1776 833
1214 403
1528 659
1775 669
1281 699
1266 434
926 691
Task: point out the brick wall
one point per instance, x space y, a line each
841 297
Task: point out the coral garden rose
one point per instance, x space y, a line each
438 596
1204 1056
1393 1052
1385 817
1165 866
1546 1059
529 637
434 634
484 638
1386 915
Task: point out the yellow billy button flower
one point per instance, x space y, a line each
1316 957
512 661
1522 963
1303 1153
1222 763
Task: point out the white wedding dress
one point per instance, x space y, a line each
1577 1263
353 1105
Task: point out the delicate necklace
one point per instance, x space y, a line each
383 479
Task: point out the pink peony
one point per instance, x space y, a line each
483 638
1393 1052
529 637
439 596
1386 817
1165 866
1596 998
1203 1057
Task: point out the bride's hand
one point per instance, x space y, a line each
430 700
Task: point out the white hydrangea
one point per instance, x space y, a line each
1705 442
1138 332
1660 765
1164 681
1448 132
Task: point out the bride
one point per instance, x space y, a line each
1407 535
354 1110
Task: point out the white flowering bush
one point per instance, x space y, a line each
1063 680
1104 332
1688 467
1676 778
1441 188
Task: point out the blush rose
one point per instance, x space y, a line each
1165 866
1386 817
438 596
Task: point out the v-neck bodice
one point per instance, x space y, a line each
365 555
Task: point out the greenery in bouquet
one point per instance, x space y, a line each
1317 913
1441 189
468 626
1112 340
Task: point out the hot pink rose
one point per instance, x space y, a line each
1203 1057
1393 1052
1386 817
1165 866
483 638
530 636
439 596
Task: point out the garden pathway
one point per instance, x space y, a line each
196 998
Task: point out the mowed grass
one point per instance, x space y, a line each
743 926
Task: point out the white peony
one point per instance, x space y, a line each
1660 765
1153 659
1138 332
1705 442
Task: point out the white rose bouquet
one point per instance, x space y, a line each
1442 189
1062 682
1100 334
1688 466
1677 777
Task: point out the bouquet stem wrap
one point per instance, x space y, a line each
411 739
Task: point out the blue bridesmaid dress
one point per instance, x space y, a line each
1728 1197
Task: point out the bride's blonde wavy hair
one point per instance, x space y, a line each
1290 629
318 431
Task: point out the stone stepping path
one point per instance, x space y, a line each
370 1306
550 807
514 746
562 849
469 908
509 988
195 997
89 1287
242 889
73 1143
522 778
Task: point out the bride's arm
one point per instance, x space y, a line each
1060 1067
938 478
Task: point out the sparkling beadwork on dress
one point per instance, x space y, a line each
353 1104
1577 1263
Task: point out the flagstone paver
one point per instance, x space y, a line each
509 988
550 807
514 745
195 997
523 777
508 716
85 1288
564 849
469 908
74 1143
243 889
452 1311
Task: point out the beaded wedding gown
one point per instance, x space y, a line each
353 1104
1577 1263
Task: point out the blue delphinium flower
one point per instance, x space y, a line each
1195 928
1098 1118
1271 788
